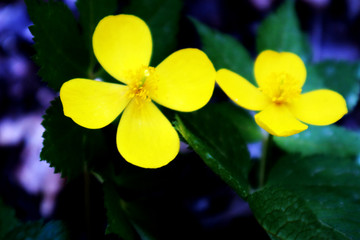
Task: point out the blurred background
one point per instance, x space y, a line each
32 188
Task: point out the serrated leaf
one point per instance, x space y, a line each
280 32
53 230
162 16
332 140
68 146
314 197
285 215
118 221
225 51
90 13
60 49
8 220
219 143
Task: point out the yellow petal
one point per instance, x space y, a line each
241 91
186 80
270 62
145 137
278 120
319 107
93 104
122 44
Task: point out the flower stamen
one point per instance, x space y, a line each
141 83
281 88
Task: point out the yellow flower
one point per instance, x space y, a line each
184 81
282 107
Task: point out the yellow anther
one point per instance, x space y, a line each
141 82
281 88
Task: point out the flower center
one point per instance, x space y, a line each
281 88
141 83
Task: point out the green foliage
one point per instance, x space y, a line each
91 12
53 230
280 32
306 196
331 140
314 197
60 49
236 116
219 143
68 147
118 221
8 220
285 215
343 77
225 52
162 16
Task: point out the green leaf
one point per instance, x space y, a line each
162 16
342 77
219 143
285 215
90 13
53 230
118 221
60 50
225 51
280 31
332 140
239 118
8 220
314 80
69 147
314 197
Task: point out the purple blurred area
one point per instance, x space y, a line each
30 185
26 182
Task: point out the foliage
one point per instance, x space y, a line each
312 183
8 220
229 159
313 197
12 228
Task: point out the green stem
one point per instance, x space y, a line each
266 147
86 188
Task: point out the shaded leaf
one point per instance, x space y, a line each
118 222
314 197
162 16
239 118
343 77
90 13
285 215
68 146
280 31
53 230
225 51
219 143
8 220
60 49
332 140
314 80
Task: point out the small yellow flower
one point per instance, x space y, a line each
184 81
280 77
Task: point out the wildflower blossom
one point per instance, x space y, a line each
184 81
283 108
